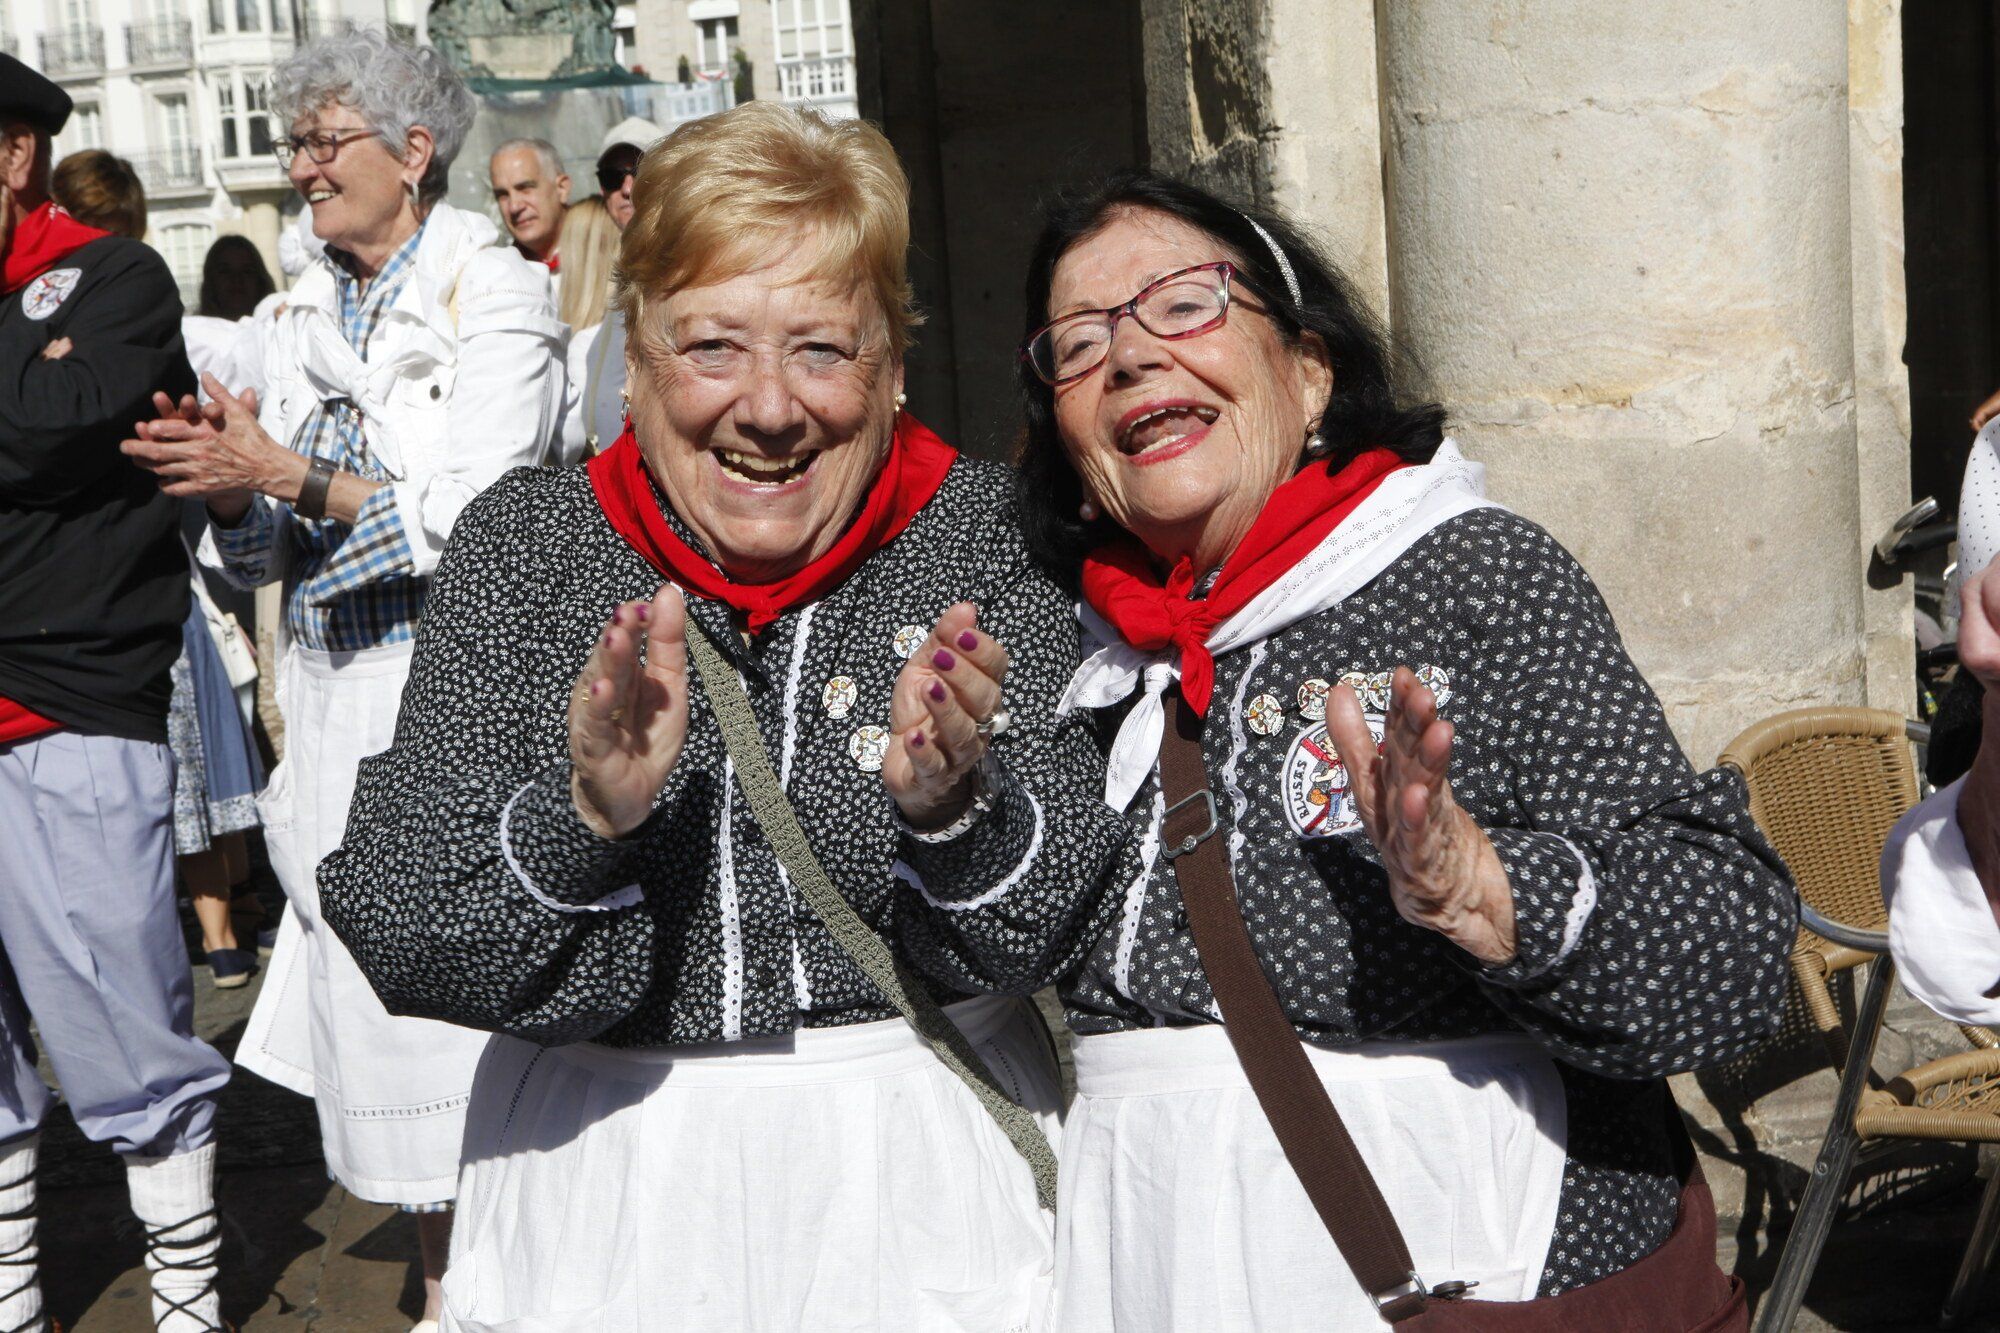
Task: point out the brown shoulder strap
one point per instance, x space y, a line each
1302 1116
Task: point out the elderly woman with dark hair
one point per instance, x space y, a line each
696 736
413 364
1385 1012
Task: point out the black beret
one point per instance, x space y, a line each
26 95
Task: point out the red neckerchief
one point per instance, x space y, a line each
910 476
1122 582
40 241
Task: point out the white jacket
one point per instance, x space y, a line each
463 380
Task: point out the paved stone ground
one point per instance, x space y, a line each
299 1253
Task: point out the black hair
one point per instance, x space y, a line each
1362 412
211 303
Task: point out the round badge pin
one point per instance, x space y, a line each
1264 714
868 747
1437 681
1376 699
1313 785
1312 698
908 639
839 696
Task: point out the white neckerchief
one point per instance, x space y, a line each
1409 503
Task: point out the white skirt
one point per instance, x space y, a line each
391 1092
1179 1211
831 1179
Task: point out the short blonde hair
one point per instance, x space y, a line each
712 197
588 244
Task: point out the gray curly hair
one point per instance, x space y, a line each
392 85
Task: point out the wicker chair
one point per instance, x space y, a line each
1826 786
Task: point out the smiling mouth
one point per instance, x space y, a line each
1163 427
319 196
761 471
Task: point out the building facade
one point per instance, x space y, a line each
177 87
796 51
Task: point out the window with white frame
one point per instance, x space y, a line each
257 113
84 130
184 247
714 45
249 16
225 110
810 29
218 16
242 106
815 49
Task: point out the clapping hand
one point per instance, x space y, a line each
215 451
627 719
1444 874
946 707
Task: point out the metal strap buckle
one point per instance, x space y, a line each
1193 840
1443 1291
1413 1287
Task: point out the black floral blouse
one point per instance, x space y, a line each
469 891
1653 919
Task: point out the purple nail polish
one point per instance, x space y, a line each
916 740
943 659
937 691
645 613
968 640
607 638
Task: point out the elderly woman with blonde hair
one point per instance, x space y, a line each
415 362
728 782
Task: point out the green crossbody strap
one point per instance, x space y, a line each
780 823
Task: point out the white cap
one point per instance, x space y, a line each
635 130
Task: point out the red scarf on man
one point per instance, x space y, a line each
917 463
1122 583
40 241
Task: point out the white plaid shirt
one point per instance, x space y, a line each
350 586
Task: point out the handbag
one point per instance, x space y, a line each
780 822
1677 1287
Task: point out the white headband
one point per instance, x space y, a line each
1284 264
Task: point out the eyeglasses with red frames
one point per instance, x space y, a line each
322 146
1184 304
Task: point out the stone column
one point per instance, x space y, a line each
1619 242
1275 102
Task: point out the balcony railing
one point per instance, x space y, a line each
69 53
175 170
160 42
829 79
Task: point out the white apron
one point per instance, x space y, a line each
1178 1210
391 1092
831 1179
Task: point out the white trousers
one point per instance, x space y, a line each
1179 1212
833 1179
391 1092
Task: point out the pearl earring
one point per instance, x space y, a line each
901 399
1316 446
1087 512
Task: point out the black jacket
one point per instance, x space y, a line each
93 576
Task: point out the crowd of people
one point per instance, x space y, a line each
691 761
